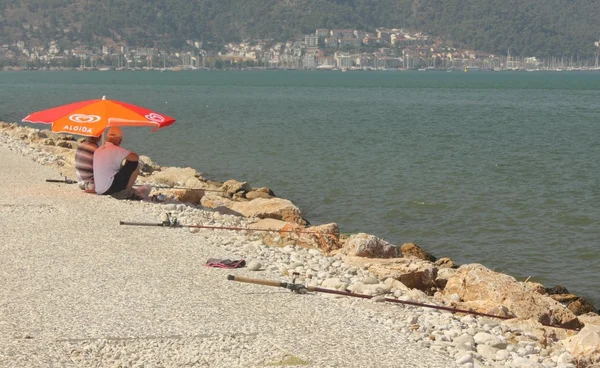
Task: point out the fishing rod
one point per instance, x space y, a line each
168 187
303 289
173 222
71 181
65 181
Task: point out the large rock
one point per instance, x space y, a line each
413 250
446 262
67 144
66 137
175 176
412 272
367 245
325 237
257 194
589 319
47 133
476 283
275 208
585 346
147 166
231 187
186 196
443 275
581 306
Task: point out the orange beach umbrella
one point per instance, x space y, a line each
92 117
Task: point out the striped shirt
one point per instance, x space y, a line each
84 162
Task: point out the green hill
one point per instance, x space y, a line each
526 27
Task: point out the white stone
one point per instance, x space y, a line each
254 265
502 355
565 358
487 352
464 359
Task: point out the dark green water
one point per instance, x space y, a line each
495 168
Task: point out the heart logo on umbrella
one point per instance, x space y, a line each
155 117
81 118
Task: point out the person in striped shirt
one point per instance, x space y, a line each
84 167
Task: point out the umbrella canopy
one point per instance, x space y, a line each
91 117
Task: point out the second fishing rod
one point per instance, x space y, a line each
155 186
173 222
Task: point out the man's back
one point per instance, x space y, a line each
107 163
84 162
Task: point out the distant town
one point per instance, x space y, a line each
326 49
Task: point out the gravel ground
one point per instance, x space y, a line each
79 290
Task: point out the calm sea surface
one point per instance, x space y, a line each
495 168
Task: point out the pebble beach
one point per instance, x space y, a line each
79 290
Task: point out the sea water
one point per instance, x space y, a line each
498 168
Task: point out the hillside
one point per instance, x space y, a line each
527 27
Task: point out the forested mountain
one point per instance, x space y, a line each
525 27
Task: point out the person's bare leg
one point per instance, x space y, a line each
133 177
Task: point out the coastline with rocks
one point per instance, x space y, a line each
548 326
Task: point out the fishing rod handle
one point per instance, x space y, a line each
141 223
60 181
182 188
255 281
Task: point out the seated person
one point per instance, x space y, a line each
84 163
111 175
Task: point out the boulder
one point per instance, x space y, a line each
535 287
366 245
585 346
231 187
275 208
413 250
395 284
67 144
147 166
412 272
47 133
323 237
474 282
265 190
575 303
66 137
174 176
257 194
589 319
445 262
557 289
186 195
268 224
581 306
34 136
564 299
443 275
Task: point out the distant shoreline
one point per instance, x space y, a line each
333 69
